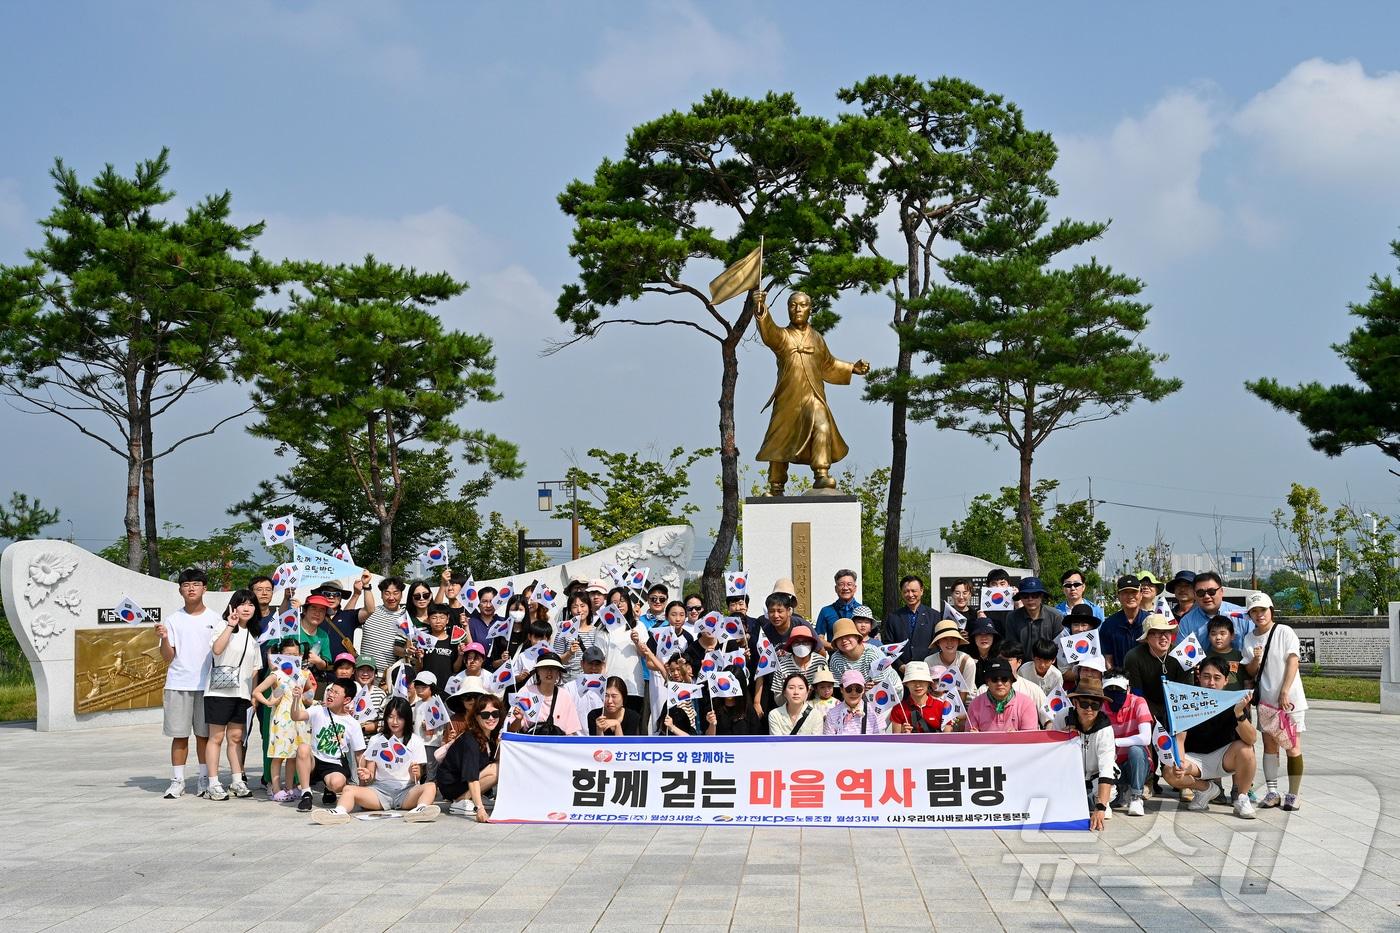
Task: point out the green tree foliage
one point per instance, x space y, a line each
225 554
1071 538
632 494
1303 531
359 369
944 145
643 227
1341 417
322 490
24 519
872 492
1023 346
121 313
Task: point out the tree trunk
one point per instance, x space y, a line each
386 545
148 485
133 498
1023 510
712 581
894 500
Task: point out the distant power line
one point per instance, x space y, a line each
1250 519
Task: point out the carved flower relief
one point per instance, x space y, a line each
43 628
48 568
69 599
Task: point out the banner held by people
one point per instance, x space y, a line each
1023 780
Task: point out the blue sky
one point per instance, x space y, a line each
1245 153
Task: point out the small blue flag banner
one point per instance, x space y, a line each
317 567
1190 705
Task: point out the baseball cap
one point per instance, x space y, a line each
997 667
476 646
1258 601
851 677
594 653
316 599
344 656
364 661
1129 582
426 677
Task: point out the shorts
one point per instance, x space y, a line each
454 791
392 796
226 711
183 714
1298 715
1212 764
321 769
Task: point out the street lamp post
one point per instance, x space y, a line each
545 499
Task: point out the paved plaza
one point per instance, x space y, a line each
90 846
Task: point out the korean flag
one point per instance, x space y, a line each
279 530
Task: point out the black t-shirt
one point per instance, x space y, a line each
441 659
631 722
1214 734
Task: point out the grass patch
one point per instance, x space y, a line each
1354 689
17 702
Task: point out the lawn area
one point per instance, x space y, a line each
1356 689
17 702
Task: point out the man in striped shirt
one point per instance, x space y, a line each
380 635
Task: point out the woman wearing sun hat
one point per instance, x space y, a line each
947 642
1096 742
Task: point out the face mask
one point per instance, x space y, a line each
1116 699
802 650
517 615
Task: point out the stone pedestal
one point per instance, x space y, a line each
806 538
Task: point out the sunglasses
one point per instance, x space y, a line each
656 599
999 679
693 608
1072 586
489 714
422 596
853 688
1087 704
1208 592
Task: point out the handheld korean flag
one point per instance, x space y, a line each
665 644
712 663
739 661
893 651
130 612
724 685
736 583
423 641
609 618
1237 614
1163 607
405 626
1165 744
637 578
455 683
1189 652
279 530
679 693
281 627
1057 707
435 556
1189 705
732 627
883 697
711 623
433 713
287 666
590 683
566 627
530 656
1082 648
880 666
469 595
385 750
287 576
615 573
401 682
995 598
953 707
544 596
361 709
314 567
500 628
952 681
950 613
503 678
343 553
529 708
504 593
767 660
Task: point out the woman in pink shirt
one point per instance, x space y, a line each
1001 708
552 705
853 716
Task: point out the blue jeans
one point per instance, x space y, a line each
1133 772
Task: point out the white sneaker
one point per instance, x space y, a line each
423 814
1135 807
203 786
175 790
216 792
1202 798
331 817
463 807
1243 808
239 789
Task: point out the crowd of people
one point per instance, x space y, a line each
393 696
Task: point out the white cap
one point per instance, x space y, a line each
426 677
1258 601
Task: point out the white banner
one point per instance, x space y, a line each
1016 780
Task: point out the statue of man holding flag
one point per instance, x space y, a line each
801 428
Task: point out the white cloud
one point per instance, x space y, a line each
1145 175
1329 121
353 33
675 53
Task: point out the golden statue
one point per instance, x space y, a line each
801 429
